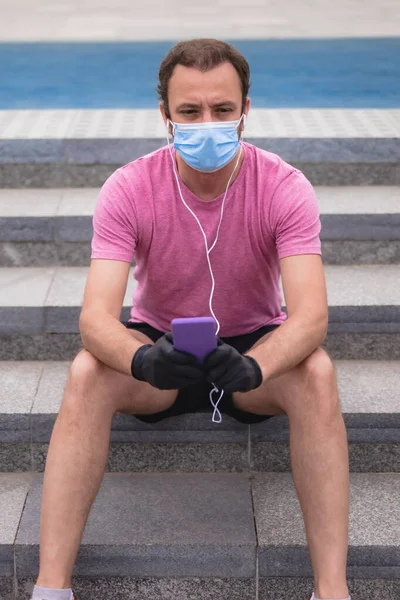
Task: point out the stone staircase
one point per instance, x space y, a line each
189 509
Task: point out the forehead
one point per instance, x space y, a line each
188 83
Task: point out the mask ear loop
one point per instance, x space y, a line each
215 389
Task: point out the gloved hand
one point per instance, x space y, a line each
230 370
164 367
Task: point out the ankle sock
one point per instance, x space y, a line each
40 593
313 597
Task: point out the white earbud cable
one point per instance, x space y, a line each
215 389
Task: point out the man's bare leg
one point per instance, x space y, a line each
77 457
320 463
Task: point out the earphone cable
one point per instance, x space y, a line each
215 388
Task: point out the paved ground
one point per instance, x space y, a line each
23 20
148 124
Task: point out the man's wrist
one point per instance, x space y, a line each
261 365
258 377
137 362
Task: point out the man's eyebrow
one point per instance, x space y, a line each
189 105
224 103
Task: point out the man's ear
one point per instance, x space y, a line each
165 117
162 111
245 112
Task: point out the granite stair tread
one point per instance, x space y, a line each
343 154
31 395
69 202
57 215
46 227
32 391
40 307
367 297
146 525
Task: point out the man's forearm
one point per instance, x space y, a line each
109 341
288 345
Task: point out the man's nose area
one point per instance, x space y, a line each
208 115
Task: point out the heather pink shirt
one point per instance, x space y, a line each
270 212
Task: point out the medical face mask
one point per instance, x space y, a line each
207 147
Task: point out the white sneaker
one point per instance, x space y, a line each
312 597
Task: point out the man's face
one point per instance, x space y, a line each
197 97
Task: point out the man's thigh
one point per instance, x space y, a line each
259 401
127 394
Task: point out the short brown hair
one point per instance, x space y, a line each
203 54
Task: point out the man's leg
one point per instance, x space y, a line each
319 457
78 454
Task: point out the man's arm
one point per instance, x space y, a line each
305 329
102 333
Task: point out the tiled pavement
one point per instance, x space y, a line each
147 124
156 20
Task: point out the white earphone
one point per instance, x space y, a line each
208 251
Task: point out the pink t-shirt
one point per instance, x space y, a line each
270 212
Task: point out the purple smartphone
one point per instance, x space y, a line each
195 335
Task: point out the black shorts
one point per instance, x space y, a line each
195 398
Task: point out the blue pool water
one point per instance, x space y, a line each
320 73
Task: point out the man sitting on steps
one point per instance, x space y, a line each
167 209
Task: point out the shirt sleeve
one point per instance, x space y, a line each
114 222
294 217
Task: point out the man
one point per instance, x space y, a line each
166 209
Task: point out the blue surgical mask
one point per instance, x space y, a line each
207 147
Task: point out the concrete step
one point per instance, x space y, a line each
39 227
31 395
205 536
60 148
39 310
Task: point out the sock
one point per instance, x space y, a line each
40 593
313 597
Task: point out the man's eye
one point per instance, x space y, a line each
193 111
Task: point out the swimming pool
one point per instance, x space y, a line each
313 73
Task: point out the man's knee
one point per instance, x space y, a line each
86 382
319 379
92 382
85 369
318 366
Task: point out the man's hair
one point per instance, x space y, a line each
202 54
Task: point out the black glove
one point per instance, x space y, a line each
164 367
230 370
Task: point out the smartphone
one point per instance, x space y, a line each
195 335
